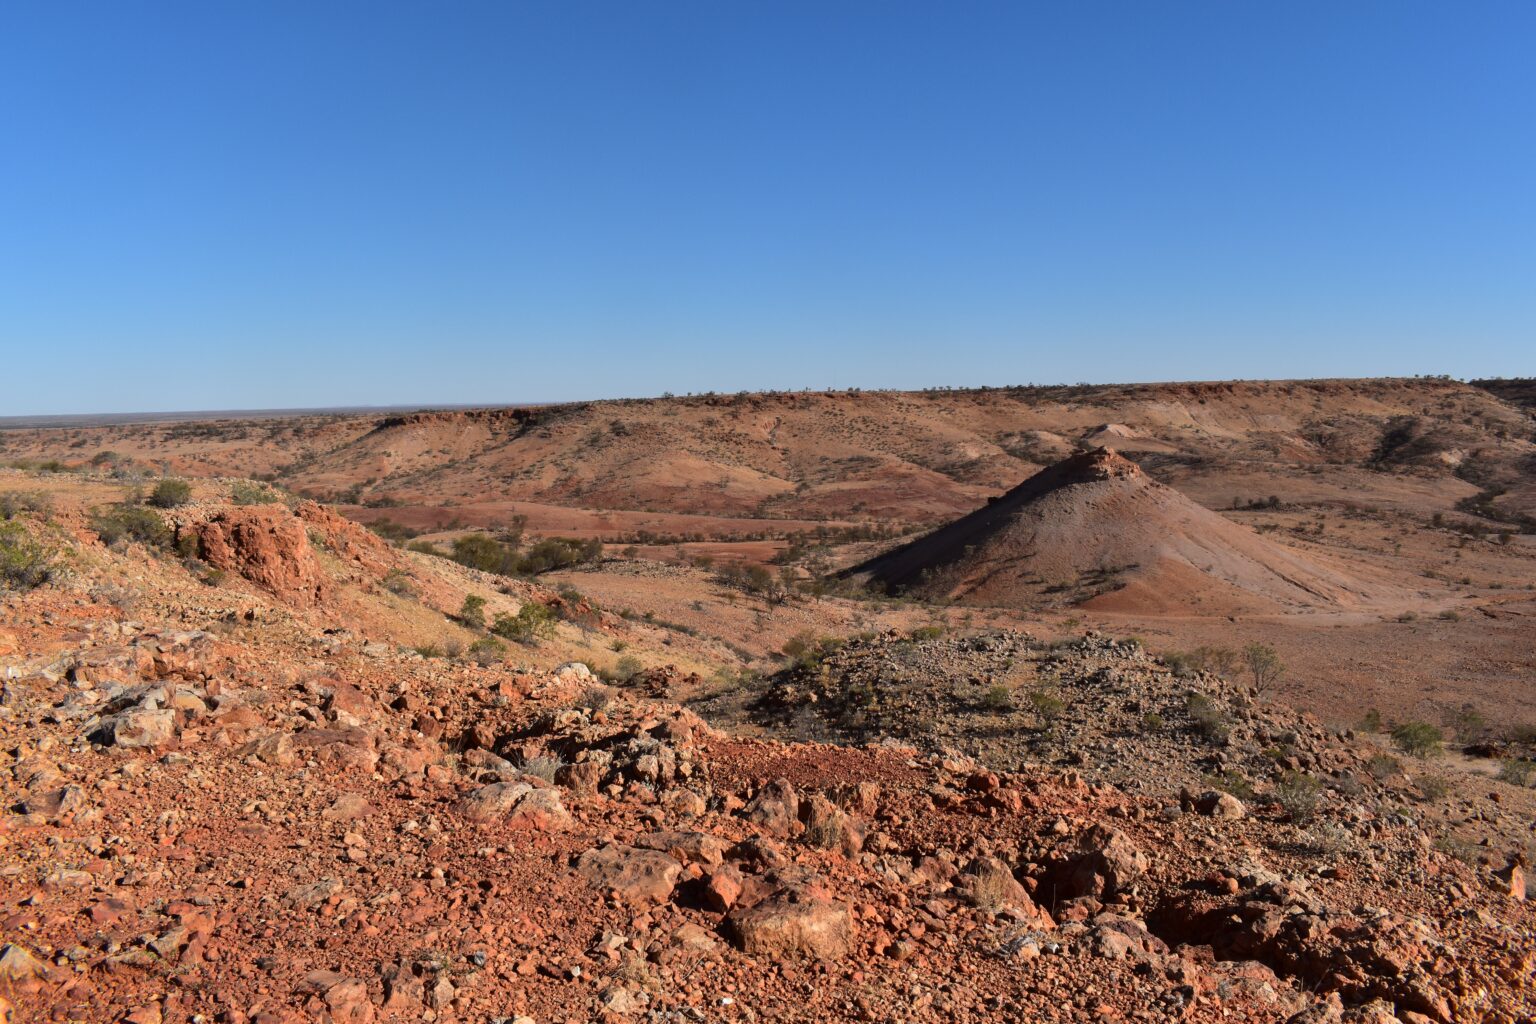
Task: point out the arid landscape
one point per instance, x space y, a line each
1184 701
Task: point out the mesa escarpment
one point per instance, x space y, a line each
1094 529
230 801
913 457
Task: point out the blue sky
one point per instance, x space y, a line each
220 205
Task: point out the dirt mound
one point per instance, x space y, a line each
1095 530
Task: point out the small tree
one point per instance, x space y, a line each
1264 666
1417 738
24 562
532 622
472 611
170 493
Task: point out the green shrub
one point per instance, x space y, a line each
1298 793
394 532
1372 721
1210 721
927 632
486 553
1467 723
1152 722
123 523
532 622
1517 772
1047 705
399 583
623 670
1434 787
1231 781
543 766
1419 739
13 503
1383 766
595 697
244 492
558 553
806 650
472 611
487 650
189 546
25 562
997 698
170 493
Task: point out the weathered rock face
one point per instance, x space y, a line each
792 923
268 545
349 542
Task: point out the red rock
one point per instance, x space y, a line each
19 965
686 847
777 808
640 877
792 924
268 545
138 728
989 883
724 888
107 912
1513 878
518 805
348 1002
1108 863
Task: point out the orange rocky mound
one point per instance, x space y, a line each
1095 530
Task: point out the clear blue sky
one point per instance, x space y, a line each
229 205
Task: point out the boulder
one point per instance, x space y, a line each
989 884
639 877
517 804
137 728
19 965
1107 864
791 923
686 847
1216 804
777 808
267 545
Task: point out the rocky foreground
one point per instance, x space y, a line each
201 835
229 809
